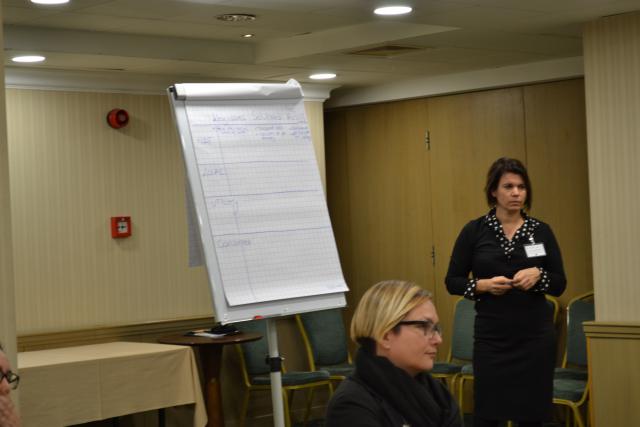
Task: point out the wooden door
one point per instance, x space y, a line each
392 200
557 163
467 133
335 127
387 189
408 239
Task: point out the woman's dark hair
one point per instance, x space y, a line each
500 167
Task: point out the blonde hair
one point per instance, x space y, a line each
383 306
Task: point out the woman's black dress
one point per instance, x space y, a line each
514 338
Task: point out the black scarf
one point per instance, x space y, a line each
420 400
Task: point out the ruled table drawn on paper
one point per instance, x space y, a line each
264 199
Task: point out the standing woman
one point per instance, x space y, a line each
514 260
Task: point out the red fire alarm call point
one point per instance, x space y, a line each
120 226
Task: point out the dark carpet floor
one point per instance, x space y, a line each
468 422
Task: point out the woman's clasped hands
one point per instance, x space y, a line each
525 279
500 285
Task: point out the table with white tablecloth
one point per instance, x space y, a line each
73 385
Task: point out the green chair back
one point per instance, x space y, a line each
255 352
579 311
327 336
462 334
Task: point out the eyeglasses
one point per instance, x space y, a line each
12 379
429 328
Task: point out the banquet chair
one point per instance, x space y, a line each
571 380
325 341
255 373
461 350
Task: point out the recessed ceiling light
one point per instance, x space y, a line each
28 58
50 1
322 76
247 36
392 10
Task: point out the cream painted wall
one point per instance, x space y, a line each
612 84
7 300
315 117
70 173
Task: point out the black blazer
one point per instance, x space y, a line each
356 405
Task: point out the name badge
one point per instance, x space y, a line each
535 250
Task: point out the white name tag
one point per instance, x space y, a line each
535 250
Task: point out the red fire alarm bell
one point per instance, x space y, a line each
120 226
117 118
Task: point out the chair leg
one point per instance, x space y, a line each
309 402
453 383
587 414
461 394
577 417
291 395
245 407
287 415
162 419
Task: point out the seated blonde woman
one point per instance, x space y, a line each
397 327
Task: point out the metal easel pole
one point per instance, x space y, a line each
275 362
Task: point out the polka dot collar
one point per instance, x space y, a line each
525 231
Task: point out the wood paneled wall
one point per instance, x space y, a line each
393 198
468 132
557 160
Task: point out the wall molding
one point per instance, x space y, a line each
122 82
144 332
613 349
616 330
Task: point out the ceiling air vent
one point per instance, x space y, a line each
386 51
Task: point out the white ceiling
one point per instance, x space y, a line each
293 38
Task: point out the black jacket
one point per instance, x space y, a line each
354 404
